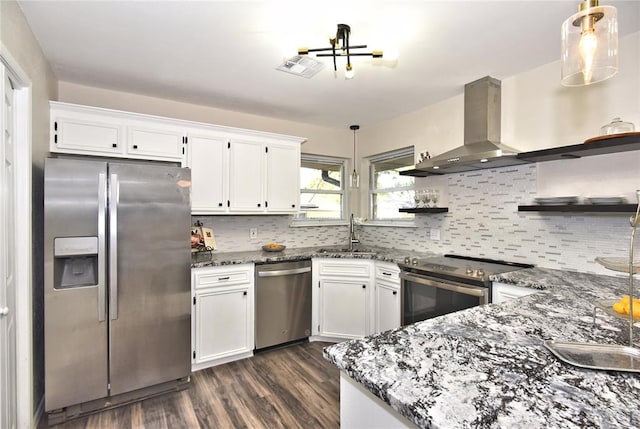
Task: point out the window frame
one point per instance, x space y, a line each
407 219
334 160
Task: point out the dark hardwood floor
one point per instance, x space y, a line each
291 387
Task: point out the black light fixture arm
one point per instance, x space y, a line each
341 43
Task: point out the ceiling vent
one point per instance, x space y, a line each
301 65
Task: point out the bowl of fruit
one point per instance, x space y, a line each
273 247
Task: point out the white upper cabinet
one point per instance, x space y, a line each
246 176
155 141
282 192
209 178
85 133
233 170
93 131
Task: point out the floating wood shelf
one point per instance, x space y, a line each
596 146
425 210
581 208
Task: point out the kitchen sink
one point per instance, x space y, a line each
346 250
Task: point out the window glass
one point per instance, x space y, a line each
388 190
321 188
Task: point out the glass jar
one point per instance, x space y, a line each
617 126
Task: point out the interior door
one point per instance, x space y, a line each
150 275
7 262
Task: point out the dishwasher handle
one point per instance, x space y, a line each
278 273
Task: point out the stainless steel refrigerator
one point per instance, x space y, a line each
117 282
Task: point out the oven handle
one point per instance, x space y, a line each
467 290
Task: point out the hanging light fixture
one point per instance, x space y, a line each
590 44
340 47
355 177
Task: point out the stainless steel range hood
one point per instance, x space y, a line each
482 147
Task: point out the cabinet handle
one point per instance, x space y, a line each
244 293
114 145
219 204
223 278
386 274
135 146
364 286
395 292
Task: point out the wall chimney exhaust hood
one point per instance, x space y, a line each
482 148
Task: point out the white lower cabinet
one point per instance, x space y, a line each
222 317
387 297
342 298
501 292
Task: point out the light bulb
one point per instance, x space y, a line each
349 73
355 179
587 48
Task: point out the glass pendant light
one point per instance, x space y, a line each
590 44
355 177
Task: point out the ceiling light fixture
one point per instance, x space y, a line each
340 48
590 44
355 177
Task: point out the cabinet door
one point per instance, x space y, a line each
86 134
207 160
223 323
344 309
246 175
387 307
283 178
155 141
502 292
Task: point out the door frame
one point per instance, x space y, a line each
25 416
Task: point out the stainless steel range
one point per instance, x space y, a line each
435 286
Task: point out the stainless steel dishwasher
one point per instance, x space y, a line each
283 303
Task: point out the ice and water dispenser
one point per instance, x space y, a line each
75 262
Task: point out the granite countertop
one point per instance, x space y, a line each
209 259
487 366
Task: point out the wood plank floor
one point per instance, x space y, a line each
291 387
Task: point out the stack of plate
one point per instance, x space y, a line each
556 201
606 200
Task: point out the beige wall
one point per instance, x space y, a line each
537 112
320 140
20 44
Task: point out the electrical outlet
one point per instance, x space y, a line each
253 233
434 234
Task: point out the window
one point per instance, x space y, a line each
388 190
321 188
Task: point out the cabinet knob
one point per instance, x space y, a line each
244 293
364 286
135 146
219 204
259 205
293 205
395 292
114 145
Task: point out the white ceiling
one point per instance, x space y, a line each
224 53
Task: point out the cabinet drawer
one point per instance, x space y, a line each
211 277
385 271
345 268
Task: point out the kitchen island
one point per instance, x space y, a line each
487 366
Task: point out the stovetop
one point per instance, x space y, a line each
463 269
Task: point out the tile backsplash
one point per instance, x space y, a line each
483 221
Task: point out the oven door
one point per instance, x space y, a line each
426 297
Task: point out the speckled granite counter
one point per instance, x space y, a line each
486 367
206 259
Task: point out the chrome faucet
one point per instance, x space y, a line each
353 238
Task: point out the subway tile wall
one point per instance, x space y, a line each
483 221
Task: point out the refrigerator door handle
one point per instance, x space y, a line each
114 188
102 227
